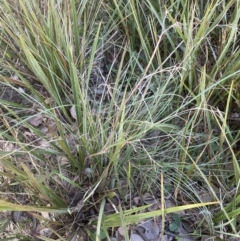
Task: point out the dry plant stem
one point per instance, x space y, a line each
145 72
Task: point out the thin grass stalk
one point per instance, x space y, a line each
114 220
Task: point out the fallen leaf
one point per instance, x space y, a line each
73 112
88 171
137 200
45 215
14 77
44 130
63 160
108 208
169 203
235 115
183 232
113 239
149 199
36 120
136 237
78 207
17 216
21 90
152 229
44 143
6 146
45 232
121 231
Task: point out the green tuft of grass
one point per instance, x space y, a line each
103 102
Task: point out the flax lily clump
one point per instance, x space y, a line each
104 103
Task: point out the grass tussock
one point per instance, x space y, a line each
105 104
